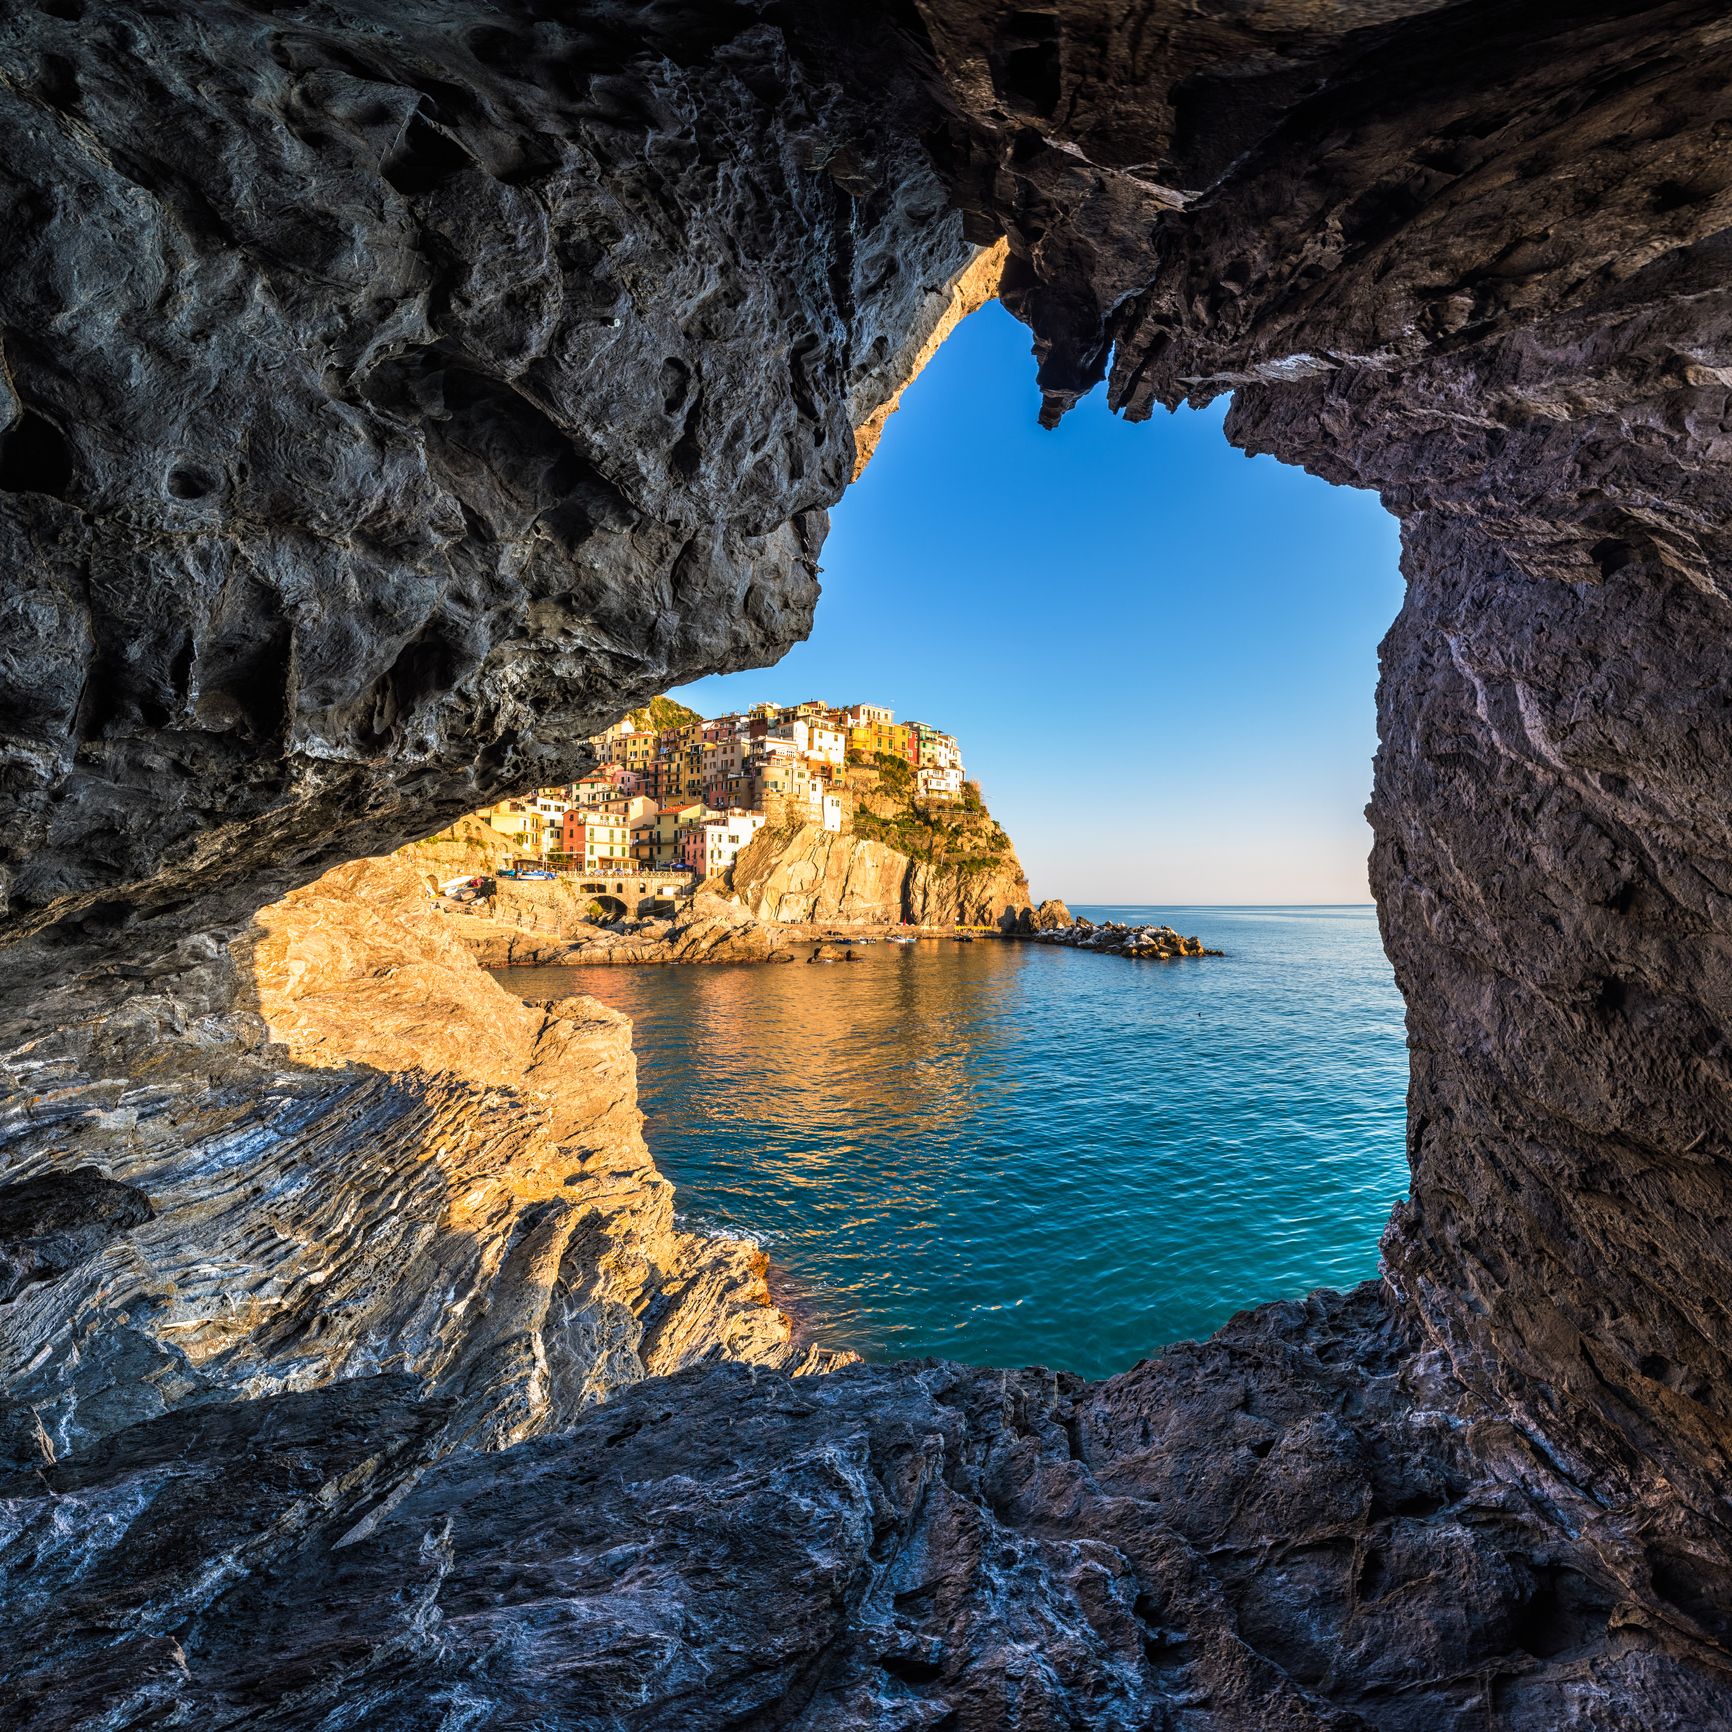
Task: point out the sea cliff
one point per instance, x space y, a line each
804 875
896 862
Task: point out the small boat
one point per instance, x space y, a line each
900 940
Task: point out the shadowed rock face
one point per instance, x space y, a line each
390 394
1477 263
335 501
1279 1529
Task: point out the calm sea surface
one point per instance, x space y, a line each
1012 1154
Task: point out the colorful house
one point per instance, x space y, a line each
657 842
712 846
595 841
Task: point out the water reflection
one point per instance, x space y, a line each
1009 1154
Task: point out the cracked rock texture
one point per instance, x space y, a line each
392 392
1284 1528
395 393
329 1148
808 874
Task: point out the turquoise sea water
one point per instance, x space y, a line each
1013 1154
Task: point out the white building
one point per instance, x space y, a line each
632 809
933 783
867 716
817 742
711 847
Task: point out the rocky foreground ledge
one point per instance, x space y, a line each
325 1147
1298 1526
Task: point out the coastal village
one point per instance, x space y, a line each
868 824
674 792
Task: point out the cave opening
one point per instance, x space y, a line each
352 1341
1159 658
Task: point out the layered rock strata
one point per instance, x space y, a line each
1286 1527
330 1147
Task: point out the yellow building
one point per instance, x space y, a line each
657 843
533 823
871 739
636 750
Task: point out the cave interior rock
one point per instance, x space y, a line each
395 393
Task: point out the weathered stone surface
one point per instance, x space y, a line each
1282 1528
806 874
333 501
708 928
971 291
1116 938
333 1146
393 394
1475 260
57 1220
1051 916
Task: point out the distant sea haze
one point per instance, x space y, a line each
1012 1154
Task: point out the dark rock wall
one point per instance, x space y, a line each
392 392
1280 1530
1474 258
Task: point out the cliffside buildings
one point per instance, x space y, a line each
692 795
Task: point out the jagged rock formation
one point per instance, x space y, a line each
1116 938
394 394
977 284
1279 1529
329 1147
1051 916
453 419
805 874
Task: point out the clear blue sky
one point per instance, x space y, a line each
1159 655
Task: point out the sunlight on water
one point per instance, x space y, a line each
1011 1154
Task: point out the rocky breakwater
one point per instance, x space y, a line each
325 1146
1117 938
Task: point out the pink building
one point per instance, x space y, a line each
711 847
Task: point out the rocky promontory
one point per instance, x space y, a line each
897 862
803 875
513 931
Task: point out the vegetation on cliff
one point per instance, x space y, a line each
896 858
955 833
660 713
